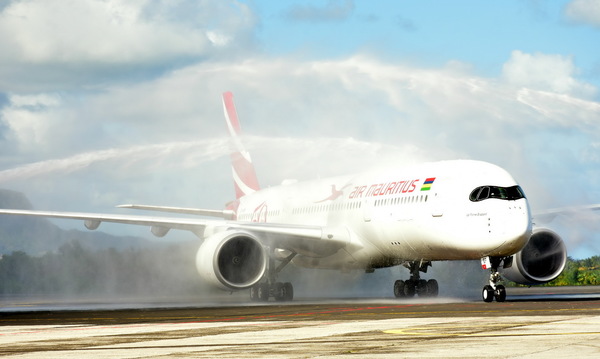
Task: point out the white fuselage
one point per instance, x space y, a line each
423 212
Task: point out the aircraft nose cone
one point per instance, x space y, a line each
511 228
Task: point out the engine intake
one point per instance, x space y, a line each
232 260
541 260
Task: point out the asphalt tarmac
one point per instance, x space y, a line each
532 323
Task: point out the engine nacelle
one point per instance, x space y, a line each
541 260
232 260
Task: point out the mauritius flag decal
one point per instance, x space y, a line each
427 185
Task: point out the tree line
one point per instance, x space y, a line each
579 272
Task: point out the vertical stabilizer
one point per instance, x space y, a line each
244 175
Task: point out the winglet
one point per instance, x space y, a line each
244 175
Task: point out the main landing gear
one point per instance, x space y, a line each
282 292
493 289
416 285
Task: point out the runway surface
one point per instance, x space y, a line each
543 322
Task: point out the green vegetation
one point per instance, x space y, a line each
579 272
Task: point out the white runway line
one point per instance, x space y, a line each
524 337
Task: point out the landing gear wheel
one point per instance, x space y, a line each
487 294
278 292
399 289
500 293
262 292
288 291
409 289
283 292
422 288
432 288
254 293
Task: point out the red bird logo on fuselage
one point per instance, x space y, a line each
335 194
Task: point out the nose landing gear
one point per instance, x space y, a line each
493 289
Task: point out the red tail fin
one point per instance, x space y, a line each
244 175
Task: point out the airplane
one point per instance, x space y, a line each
395 216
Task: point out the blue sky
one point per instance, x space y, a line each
104 102
433 33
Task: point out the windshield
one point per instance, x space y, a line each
506 193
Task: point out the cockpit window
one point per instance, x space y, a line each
506 193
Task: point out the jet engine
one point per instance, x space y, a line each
541 260
232 260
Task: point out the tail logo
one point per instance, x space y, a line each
244 175
260 213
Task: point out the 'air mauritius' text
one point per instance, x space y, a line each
383 189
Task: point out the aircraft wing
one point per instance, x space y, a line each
227 214
549 214
297 238
93 220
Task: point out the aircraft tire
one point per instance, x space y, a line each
254 293
409 288
422 288
487 294
288 291
278 291
432 288
500 293
262 293
399 289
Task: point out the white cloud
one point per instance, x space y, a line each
27 119
584 11
90 31
553 73
44 123
38 100
78 40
